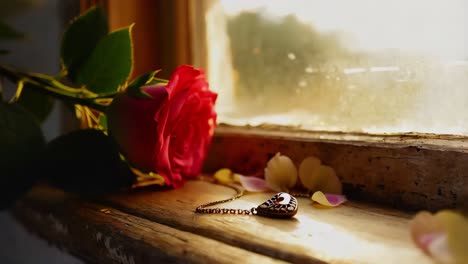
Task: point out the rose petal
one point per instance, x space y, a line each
442 236
328 199
317 177
423 228
223 176
329 183
438 248
280 173
426 239
456 227
309 171
236 178
253 184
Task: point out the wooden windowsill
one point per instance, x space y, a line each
147 226
407 171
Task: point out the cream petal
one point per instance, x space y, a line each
309 172
280 173
317 177
329 183
422 227
456 227
223 176
442 236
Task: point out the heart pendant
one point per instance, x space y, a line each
282 205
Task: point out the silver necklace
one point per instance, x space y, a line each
281 205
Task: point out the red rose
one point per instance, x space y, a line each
170 133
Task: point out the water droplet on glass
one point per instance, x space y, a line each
310 69
291 56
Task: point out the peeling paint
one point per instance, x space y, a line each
116 253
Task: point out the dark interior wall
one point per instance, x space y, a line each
38 52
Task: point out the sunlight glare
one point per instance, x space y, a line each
423 26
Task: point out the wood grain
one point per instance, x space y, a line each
100 234
354 233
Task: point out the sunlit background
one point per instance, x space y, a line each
423 26
373 66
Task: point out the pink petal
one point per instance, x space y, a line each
424 229
436 235
435 245
426 239
336 199
328 199
253 184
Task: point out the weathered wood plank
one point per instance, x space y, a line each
353 233
100 234
442 142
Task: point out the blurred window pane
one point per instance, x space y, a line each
373 66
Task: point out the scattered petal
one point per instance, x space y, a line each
280 173
427 239
423 228
224 176
442 236
236 178
309 171
438 248
328 199
253 184
456 227
317 177
330 183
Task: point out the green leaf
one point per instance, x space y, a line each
35 102
86 162
110 63
134 89
22 145
80 39
7 32
20 132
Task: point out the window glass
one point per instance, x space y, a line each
373 66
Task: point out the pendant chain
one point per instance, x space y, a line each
305 195
239 193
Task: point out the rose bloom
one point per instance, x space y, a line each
170 133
